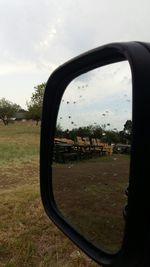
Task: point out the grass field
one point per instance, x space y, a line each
27 237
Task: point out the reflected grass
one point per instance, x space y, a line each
91 196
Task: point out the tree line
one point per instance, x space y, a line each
9 110
109 136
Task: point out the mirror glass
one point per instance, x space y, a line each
92 154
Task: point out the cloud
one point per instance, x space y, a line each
39 35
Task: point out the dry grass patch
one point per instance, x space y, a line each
28 238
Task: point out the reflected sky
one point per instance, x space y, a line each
101 96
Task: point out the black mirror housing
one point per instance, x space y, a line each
137 223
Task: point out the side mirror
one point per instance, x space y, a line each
84 171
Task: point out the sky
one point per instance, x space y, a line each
101 97
37 36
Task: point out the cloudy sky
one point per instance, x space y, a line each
37 36
102 97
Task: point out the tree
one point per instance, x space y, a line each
35 104
97 132
7 110
128 130
112 137
128 127
85 131
58 131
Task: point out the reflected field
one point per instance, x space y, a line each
90 194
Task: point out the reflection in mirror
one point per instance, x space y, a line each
92 154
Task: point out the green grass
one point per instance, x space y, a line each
14 151
27 237
18 142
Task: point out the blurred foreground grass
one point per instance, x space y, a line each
27 237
